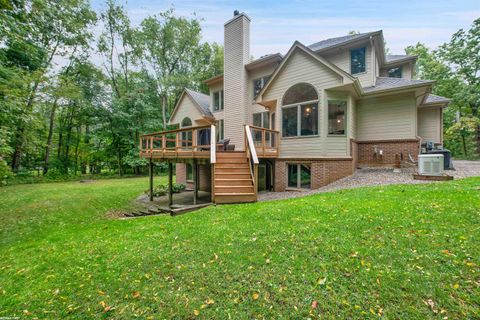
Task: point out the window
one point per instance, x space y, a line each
301 119
220 130
357 60
186 136
258 84
218 100
395 72
261 119
189 172
336 116
299 176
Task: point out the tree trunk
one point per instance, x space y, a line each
164 111
50 137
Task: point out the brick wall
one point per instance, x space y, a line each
204 173
366 151
322 172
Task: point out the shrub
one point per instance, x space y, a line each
5 173
162 189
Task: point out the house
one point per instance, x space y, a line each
299 120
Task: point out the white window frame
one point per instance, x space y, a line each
220 129
263 81
220 107
299 119
345 118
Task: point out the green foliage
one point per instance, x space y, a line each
460 138
162 189
454 66
404 251
5 173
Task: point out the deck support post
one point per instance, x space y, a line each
170 183
195 181
150 172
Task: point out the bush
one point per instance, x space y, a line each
460 138
162 189
5 173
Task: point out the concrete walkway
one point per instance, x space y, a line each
376 177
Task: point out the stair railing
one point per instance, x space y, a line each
252 157
213 144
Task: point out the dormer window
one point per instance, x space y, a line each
357 60
218 100
395 72
258 84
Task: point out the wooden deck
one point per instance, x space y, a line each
234 174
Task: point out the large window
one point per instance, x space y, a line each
258 84
337 110
299 176
357 60
395 72
218 100
220 129
300 111
261 119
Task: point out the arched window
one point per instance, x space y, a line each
186 122
300 92
300 111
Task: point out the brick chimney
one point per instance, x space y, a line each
235 81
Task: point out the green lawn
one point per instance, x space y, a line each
400 252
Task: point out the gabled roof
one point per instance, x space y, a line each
333 42
200 100
264 60
384 84
300 46
398 58
434 99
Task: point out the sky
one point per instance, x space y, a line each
275 25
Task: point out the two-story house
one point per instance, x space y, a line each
299 120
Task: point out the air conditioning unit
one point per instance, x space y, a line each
430 164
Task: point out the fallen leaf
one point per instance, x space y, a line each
314 304
100 292
196 312
321 281
255 296
136 294
210 301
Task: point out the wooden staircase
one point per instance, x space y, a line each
233 181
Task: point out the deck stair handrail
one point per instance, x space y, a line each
213 144
265 141
252 156
178 142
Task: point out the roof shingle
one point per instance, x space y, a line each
384 83
432 98
202 100
324 44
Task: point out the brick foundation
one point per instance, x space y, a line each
204 176
322 172
367 157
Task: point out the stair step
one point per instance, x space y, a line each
234 197
240 155
232 160
233 182
233 175
234 189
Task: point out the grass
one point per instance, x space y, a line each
396 252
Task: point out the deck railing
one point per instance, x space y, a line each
184 142
252 157
265 141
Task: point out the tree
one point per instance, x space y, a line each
47 28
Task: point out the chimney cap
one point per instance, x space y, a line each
236 13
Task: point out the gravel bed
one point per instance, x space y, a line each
376 177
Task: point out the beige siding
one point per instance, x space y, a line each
430 124
187 108
237 54
303 68
387 117
342 60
